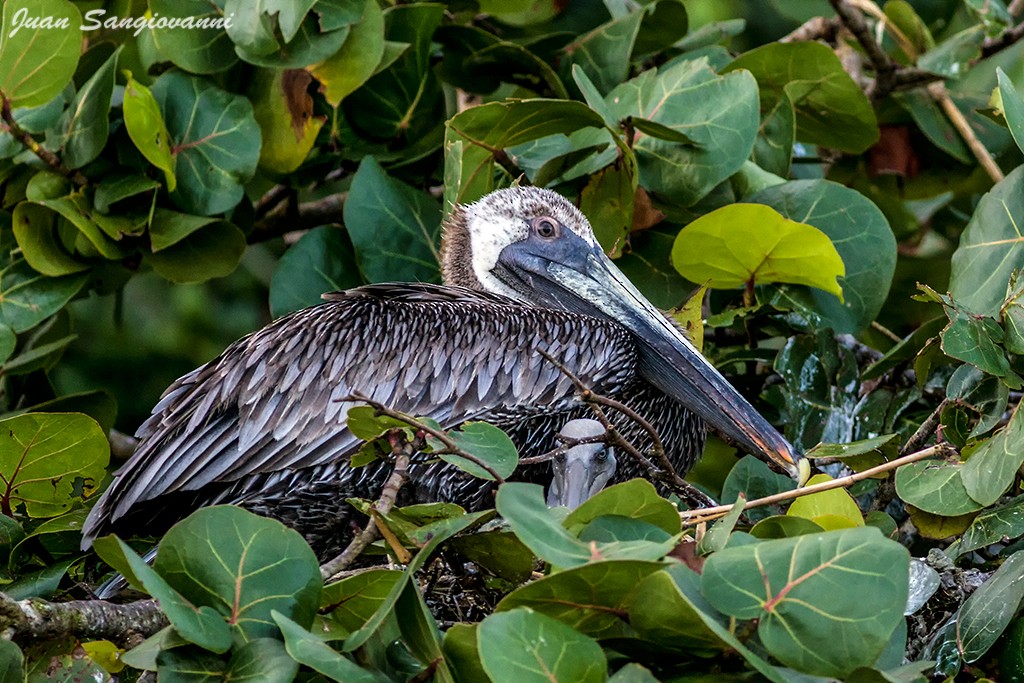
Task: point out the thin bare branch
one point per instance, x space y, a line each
47 157
941 95
693 517
925 431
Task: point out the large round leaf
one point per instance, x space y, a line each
194 48
46 457
244 566
800 588
214 139
717 116
533 648
322 261
831 109
860 234
747 244
39 45
991 247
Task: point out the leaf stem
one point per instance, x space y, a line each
47 157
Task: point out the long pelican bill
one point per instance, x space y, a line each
668 359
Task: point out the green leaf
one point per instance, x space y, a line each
754 479
1012 313
351 66
189 665
475 136
212 252
28 298
12 662
664 23
199 624
831 109
305 38
42 455
992 467
935 487
488 443
992 526
538 649
985 615
84 127
668 609
1012 106
499 552
284 111
990 248
307 649
394 228
860 234
460 650
592 598
718 114
523 507
403 102
243 566
952 57
116 188
323 260
214 139
148 130
263 660
746 244
198 49
775 582
784 526
819 507
934 123
479 61
353 600
41 41
604 52
773 149
975 340
636 499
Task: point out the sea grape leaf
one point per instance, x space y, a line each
986 614
196 623
1012 106
243 566
487 443
992 525
636 499
85 125
475 136
199 50
148 130
394 228
831 503
351 66
590 598
323 260
718 114
284 111
935 487
831 109
42 455
307 649
861 235
746 244
990 248
604 52
522 506
782 583
667 608
28 298
538 649
214 139
36 62
992 467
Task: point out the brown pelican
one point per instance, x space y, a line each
579 472
263 425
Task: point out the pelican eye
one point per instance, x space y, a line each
546 227
602 455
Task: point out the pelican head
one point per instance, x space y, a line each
533 245
582 470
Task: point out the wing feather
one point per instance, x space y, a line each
275 401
